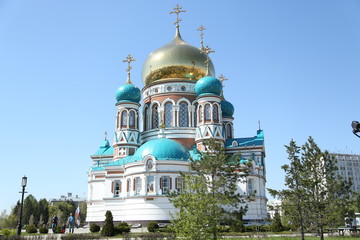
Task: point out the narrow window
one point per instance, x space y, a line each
195 115
215 113
137 186
228 131
201 114
117 188
150 184
146 127
179 184
123 119
207 112
250 183
184 115
128 186
155 117
165 184
132 119
168 114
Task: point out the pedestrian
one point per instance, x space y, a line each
71 223
54 223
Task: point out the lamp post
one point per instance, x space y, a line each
23 184
356 128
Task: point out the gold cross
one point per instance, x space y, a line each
222 78
207 50
177 11
129 59
201 29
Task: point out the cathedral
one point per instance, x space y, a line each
160 128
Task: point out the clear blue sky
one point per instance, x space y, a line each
293 65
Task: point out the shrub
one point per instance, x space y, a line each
152 226
8 232
31 229
94 228
58 229
80 236
122 227
43 230
108 228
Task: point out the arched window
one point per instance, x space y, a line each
128 186
155 116
132 119
195 115
146 124
118 120
123 119
207 112
201 114
228 131
179 184
184 115
215 112
168 114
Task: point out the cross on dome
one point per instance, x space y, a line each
177 11
129 59
207 50
105 133
201 29
222 78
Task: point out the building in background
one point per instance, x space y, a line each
349 167
183 104
69 197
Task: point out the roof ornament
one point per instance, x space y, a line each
207 50
222 78
259 125
177 11
105 134
129 59
201 29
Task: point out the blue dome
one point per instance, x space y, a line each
128 92
162 149
227 109
208 85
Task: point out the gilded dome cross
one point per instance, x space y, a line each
201 29
222 78
177 11
207 50
129 59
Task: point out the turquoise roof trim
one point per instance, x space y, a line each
97 169
257 140
105 149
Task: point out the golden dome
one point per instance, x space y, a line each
177 59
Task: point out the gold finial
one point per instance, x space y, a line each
177 11
129 59
201 29
207 50
222 78
105 133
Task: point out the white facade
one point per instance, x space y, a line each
349 167
182 106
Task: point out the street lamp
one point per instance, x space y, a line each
23 184
356 128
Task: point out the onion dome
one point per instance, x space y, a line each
162 149
128 92
227 109
208 85
176 59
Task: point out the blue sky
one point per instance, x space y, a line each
293 65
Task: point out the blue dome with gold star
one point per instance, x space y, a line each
208 85
227 109
128 92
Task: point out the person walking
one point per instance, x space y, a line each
54 223
71 223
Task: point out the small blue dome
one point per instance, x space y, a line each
208 85
128 92
162 149
227 109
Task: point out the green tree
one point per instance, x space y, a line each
209 193
108 229
276 225
294 204
31 207
44 211
319 197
